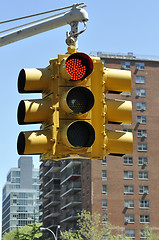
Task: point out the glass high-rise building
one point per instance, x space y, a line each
20 204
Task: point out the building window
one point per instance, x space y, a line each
127 129
125 65
130 233
126 94
143 189
128 189
141 133
15 180
143 233
142 147
104 189
140 66
129 218
87 176
142 161
128 160
104 203
144 219
140 106
140 79
128 175
104 218
104 161
143 175
140 92
141 119
104 174
129 203
144 204
14 201
15 173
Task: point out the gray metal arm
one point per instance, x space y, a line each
76 14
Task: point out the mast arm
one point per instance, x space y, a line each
76 14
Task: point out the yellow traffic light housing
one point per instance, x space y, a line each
64 110
76 100
73 109
34 111
106 111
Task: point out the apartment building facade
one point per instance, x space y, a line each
20 203
124 190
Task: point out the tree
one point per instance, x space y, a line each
34 232
28 232
90 227
17 234
150 234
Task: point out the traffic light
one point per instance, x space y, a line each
64 110
107 111
35 111
76 100
73 110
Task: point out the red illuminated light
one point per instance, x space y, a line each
79 66
75 68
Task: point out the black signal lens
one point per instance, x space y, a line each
80 100
21 143
81 134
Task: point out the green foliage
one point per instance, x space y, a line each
28 232
17 234
150 233
90 227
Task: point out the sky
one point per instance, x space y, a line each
116 26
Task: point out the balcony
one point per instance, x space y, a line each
70 174
41 176
44 164
51 178
42 198
52 201
71 188
53 189
54 167
50 223
73 226
70 163
41 187
71 201
54 212
40 218
70 215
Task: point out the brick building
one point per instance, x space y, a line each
124 190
